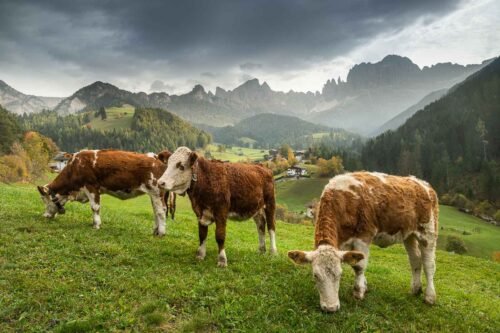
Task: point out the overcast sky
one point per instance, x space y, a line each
53 48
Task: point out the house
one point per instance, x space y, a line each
299 155
58 162
296 171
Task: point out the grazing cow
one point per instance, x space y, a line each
359 208
122 174
219 190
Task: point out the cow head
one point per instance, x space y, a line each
164 156
327 270
54 203
178 176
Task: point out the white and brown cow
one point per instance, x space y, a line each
359 208
219 191
122 174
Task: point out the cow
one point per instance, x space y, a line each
122 174
357 209
218 191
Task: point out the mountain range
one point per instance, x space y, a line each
372 94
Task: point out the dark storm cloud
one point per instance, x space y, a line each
125 38
250 66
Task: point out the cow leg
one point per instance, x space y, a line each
160 214
271 223
428 251
95 205
220 237
171 204
360 283
411 246
260 222
202 233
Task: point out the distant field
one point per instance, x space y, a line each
62 276
295 194
236 154
117 118
485 238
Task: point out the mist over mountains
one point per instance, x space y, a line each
372 94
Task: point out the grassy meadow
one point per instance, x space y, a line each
236 154
117 118
61 275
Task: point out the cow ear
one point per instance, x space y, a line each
68 156
163 156
192 157
301 257
352 257
42 190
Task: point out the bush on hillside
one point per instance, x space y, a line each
29 159
496 256
484 208
461 201
455 244
497 216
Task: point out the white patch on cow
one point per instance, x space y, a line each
381 176
207 218
343 183
222 259
159 211
425 185
202 250
179 174
272 237
95 208
153 155
94 162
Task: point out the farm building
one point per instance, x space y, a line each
296 171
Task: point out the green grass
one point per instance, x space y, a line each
61 275
484 238
295 194
117 118
236 154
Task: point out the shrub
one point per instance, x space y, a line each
446 199
456 244
461 201
496 256
497 216
280 212
484 208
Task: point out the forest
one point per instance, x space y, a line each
151 130
454 143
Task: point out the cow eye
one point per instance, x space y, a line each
180 166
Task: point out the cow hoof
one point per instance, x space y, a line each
430 299
359 295
273 252
96 226
222 264
416 290
200 256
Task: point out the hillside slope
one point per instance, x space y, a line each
150 130
373 93
273 130
400 119
19 103
64 276
454 142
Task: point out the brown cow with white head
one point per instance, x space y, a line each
219 191
122 174
359 208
